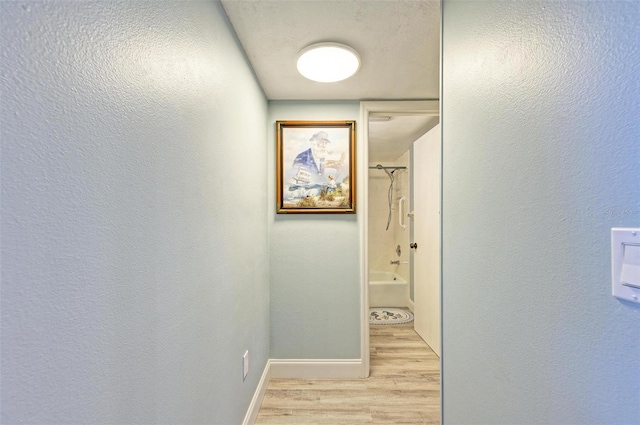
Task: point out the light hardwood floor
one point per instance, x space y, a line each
404 388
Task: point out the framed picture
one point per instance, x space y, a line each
315 167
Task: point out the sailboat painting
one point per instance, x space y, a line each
315 167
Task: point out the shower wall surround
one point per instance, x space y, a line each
383 243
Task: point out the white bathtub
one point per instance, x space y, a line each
387 289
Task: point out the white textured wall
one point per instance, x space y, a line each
314 261
541 159
134 233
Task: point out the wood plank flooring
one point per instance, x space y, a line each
404 388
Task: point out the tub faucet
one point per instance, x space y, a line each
396 262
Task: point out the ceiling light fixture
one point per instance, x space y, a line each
328 62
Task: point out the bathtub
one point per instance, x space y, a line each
387 289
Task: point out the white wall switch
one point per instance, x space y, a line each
245 365
625 263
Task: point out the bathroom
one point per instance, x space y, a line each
403 217
389 232
390 205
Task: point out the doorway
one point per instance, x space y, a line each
427 109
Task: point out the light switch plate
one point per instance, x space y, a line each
625 263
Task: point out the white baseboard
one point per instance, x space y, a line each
410 305
315 369
254 408
300 369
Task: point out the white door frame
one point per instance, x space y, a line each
408 107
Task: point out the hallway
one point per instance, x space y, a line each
404 387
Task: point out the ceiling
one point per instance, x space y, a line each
388 140
398 42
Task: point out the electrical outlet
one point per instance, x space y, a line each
245 365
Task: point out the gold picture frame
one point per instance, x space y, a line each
315 167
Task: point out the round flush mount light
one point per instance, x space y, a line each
328 62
